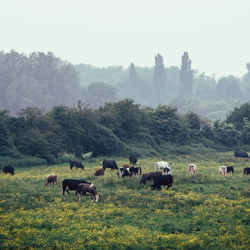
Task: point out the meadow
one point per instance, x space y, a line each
205 211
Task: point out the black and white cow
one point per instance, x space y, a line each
133 159
162 180
76 163
8 169
71 184
109 164
226 169
246 171
128 172
167 170
163 165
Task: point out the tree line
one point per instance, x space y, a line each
45 81
118 128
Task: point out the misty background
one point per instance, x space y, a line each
44 80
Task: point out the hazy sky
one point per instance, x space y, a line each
117 32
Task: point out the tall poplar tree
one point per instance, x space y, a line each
186 77
160 80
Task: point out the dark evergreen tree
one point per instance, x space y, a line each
186 77
160 81
6 143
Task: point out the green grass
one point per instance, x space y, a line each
205 211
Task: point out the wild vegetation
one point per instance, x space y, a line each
205 211
119 129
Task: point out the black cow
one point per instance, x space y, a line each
109 164
241 154
149 176
76 163
162 180
246 171
230 169
8 169
133 159
71 184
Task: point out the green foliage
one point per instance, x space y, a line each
21 161
238 115
226 133
104 142
6 143
119 129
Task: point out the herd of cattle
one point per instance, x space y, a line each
159 178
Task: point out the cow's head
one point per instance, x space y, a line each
97 196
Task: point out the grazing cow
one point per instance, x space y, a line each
8 169
126 166
109 164
128 172
162 164
149 176
241 154
162 180
99 172
87 189
52 178
192 168
76 163
226 169
135 170
167 170
71 184
246 171
133 159
123 172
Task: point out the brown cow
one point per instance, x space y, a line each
149 176
99 172
51 178
87 189
126 166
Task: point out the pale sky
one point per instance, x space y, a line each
114 32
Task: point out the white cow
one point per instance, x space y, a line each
223 170
192 168
163 165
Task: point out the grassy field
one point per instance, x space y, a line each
206 211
